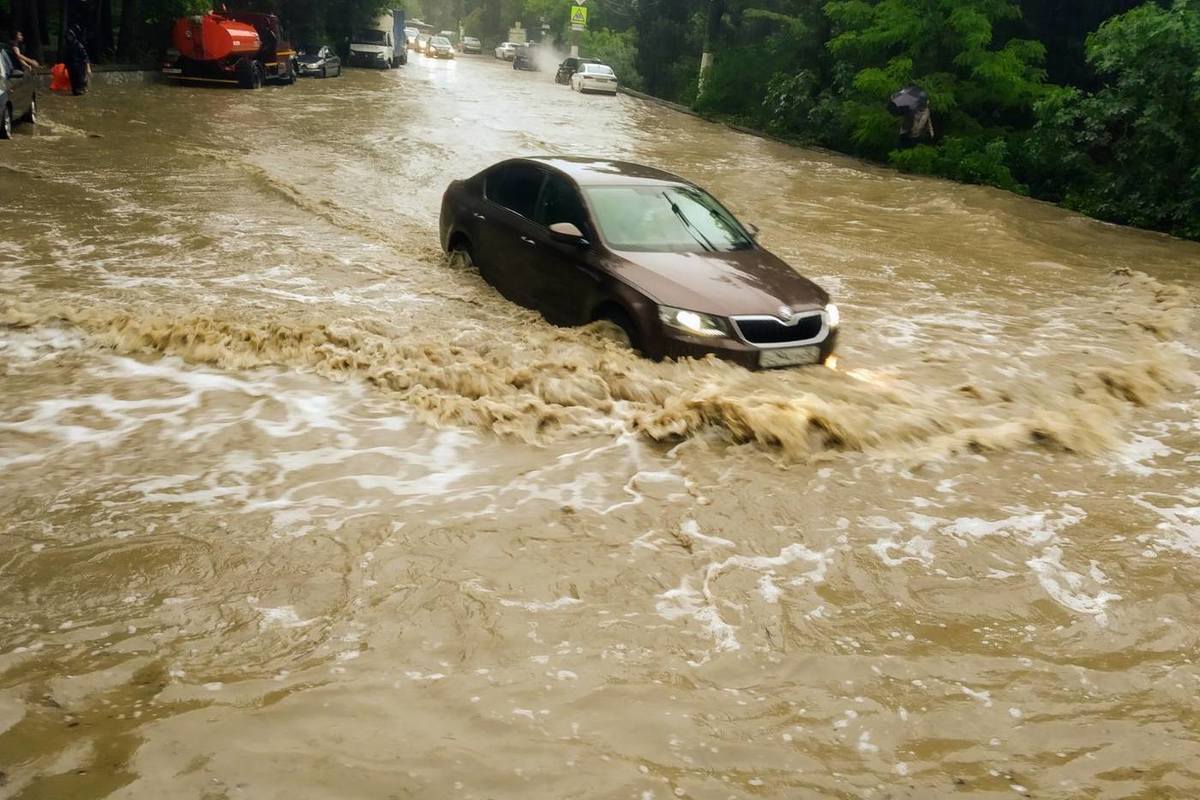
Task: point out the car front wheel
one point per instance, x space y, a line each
460 255
616 324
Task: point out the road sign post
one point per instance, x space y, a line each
578 24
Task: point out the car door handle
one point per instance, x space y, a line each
477 215
528 241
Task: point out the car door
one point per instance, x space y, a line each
20 87
508 244
564 283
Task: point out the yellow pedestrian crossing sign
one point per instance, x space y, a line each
578 18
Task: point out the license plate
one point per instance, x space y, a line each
789 357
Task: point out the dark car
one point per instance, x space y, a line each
584 239
18 96
321 62
569 66
526 58
439 47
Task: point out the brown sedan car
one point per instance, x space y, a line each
582 240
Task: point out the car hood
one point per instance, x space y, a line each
367 48
726 283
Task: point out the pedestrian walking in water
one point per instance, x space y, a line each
19 59
79 66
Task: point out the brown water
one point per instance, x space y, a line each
291 508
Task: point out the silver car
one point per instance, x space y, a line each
18 96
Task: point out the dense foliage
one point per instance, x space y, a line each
1091 103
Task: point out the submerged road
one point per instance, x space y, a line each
292 508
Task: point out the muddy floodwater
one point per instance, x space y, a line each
292 508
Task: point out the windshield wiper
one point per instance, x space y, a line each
687 223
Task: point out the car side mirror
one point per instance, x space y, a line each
568 233
753 230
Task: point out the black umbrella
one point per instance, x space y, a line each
908 100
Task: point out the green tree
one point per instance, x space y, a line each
1130 152
948 47
617 49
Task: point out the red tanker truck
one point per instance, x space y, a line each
243 48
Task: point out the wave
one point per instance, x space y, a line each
546 383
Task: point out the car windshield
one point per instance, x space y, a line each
664 218
369 37
471 40
597 69
441 41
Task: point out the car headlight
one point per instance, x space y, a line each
693 322
832 315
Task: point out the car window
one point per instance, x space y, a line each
560 202
664 218
516 187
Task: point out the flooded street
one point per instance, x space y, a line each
292 508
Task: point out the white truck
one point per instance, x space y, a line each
382 44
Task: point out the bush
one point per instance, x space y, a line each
617 49
1130 152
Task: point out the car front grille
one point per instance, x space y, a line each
772 331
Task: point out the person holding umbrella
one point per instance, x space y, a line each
911 104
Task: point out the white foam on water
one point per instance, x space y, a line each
553 605
1066 587
917 549
690 530
1133 455
767 588
1179 527
281 617
982 696
1028 527
686 601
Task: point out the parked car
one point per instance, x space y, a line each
594 78
654 255
569 66
471 45
18 96
506 51
318 62
439 47
525 57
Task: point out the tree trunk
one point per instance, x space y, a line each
128 35
25 13
104 40
43 15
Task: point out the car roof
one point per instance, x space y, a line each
597 171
